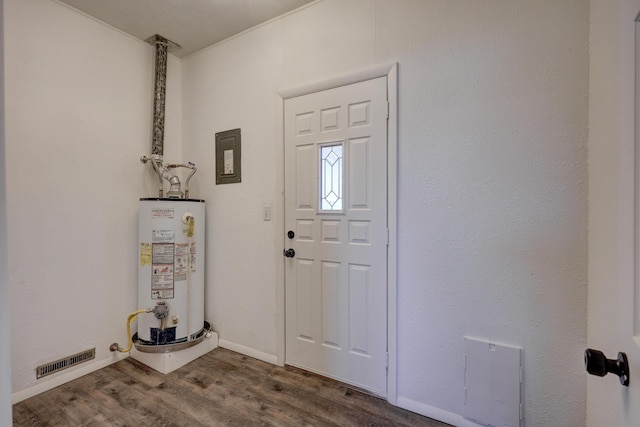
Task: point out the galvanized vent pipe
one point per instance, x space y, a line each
161 46
159 92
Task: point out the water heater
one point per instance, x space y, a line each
170 273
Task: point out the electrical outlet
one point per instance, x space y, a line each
266 213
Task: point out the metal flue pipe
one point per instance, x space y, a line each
161 46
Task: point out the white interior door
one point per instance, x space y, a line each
614 212
336 215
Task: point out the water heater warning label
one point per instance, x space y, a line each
163 253
185 261
181 262
162 213
164 236
145 254
162 270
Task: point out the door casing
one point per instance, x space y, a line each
390 71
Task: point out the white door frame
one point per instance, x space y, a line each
391 72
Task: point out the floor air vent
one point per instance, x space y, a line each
64 363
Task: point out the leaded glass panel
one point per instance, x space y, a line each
331 177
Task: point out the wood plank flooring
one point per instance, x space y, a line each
222 388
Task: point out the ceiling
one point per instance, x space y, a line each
192 24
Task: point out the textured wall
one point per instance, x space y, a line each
78 113
492 193
492 181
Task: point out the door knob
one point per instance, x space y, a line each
289 253
291 234
596 363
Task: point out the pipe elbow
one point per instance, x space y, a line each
175 191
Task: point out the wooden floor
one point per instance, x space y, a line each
220 388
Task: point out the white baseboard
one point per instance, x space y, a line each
71 374
435 413
248 351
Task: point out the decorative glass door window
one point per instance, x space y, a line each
331 174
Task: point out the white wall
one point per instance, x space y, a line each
493 160
492 182
78 117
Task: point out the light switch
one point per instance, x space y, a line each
266 213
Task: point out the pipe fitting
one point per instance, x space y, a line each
174 191
162 171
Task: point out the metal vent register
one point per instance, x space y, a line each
64 363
